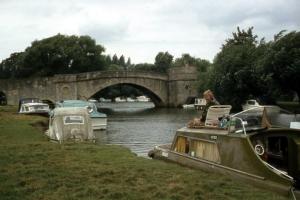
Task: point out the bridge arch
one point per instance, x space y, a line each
145 91
3 98
155 86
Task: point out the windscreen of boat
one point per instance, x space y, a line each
263 117
30 100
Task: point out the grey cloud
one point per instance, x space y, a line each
105 33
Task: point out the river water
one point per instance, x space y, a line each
140 126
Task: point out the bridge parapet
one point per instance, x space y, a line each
109 74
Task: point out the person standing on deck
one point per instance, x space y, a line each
210 101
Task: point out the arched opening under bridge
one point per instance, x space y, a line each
127 92
3 99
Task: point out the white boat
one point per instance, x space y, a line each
251 103
33 106
119 99
188 106
93 100
200 103
129 99
104 100
142 99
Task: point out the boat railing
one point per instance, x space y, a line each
232 125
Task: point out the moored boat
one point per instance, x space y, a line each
251 103
99 120
200 103
33 106
252 145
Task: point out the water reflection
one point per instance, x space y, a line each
140 126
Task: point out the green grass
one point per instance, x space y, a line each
31 167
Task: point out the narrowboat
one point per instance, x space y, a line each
252 146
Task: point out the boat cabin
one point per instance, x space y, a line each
33 106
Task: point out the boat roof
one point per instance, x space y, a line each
75 102
81 103
204 130
35 104
70 111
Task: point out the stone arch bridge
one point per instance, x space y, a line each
165 90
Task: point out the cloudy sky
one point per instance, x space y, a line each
141 28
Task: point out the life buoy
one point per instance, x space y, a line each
259 149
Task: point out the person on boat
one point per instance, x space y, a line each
210 101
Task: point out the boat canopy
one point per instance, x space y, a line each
70 123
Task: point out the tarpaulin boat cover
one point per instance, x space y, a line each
70 123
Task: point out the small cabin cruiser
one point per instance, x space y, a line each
99 120
33 106
251 103
70 123
200 103
260 148
188 106
142 99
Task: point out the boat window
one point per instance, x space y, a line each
73 120
205 150
182 145
251 102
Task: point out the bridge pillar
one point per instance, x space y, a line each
182 84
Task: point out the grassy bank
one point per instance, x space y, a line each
31 167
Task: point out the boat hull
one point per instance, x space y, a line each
237 159
99 123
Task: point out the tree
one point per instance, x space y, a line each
128 63
204 68
122 61
144 67
12 66
185 59
282 62
163 61
234 77
115 59
63 54
108 60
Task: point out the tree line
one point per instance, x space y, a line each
250 68
62 54
244 68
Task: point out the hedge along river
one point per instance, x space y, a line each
140 126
